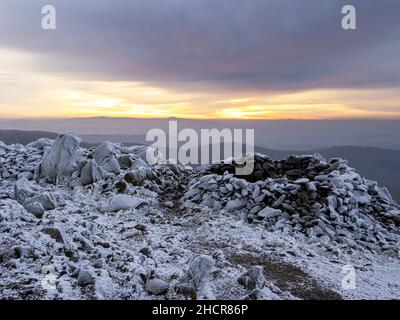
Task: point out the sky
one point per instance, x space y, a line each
200 59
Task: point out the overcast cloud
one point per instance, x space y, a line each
213 44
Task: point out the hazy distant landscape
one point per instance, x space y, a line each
273 134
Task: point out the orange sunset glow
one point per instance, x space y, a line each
53 95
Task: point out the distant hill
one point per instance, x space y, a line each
24 137
382 165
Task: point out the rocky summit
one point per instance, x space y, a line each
101 223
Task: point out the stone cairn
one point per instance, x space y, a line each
306 196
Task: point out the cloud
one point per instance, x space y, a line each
215 45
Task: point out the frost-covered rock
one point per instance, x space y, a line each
253 278
384 194
35 208
54 233
60 160
269 212
3 148
122 202
156 286
86 278
24 189
32 197
235 204
90 173
105 157
44 199
139 163
199 271
125 161
41 143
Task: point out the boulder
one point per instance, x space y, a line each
199 271
24 189
60 159
90 173
105 157
35 208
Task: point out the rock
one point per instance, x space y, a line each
362 197
24 189
40 144
235 204
302 181
384 194
253 278
35 208
60 160
90 173
192 192
199 271
125 162
395 215
121 186
269 212
99 263
7 254
185 289
255 209
208 201
123 202
139 164
278 202
105 157
86 278
157 286
169 204
321 178
145 251
53 233
311 187
44 199
138 176
23 252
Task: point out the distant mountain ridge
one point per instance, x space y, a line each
24 137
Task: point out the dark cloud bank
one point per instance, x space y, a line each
213 44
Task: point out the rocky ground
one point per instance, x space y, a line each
100 223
